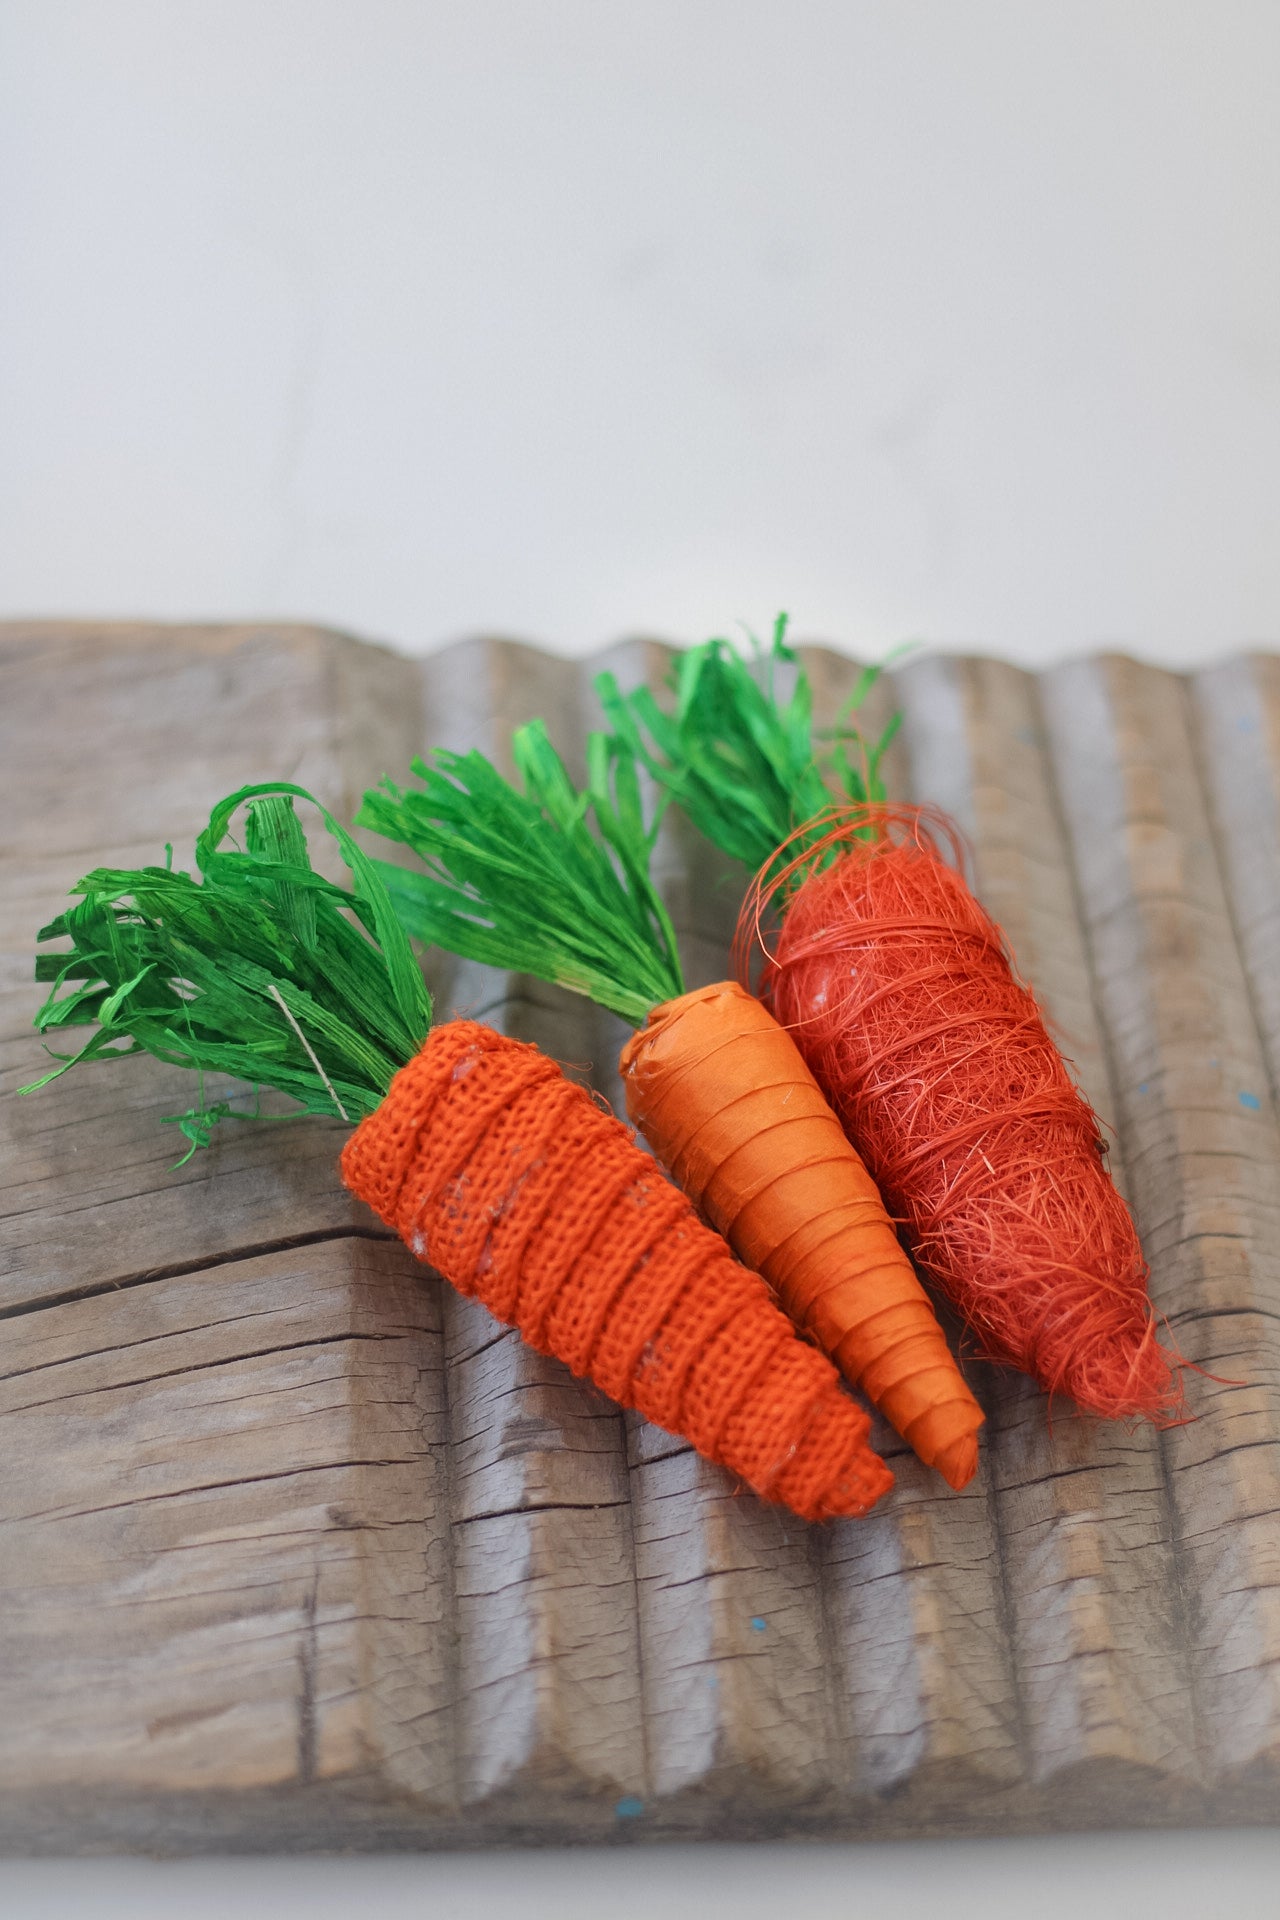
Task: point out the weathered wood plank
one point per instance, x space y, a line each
228 1445
302 1550
214 1488
1201 1144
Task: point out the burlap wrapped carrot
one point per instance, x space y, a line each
504 1175
549 881
902 996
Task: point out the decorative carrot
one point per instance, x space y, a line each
524 880
902 997
476 1149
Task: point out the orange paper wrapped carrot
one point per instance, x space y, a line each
717 1087
503 1174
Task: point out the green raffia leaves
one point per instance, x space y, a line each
739 759
261 969
540 878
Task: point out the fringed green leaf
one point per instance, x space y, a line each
262 969
539 878
740 759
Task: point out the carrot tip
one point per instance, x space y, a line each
958 1462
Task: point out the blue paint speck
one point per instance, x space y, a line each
1246 724
1251 1101
629 1808
757 1624
1144 1086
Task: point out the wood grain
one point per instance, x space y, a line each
301 1550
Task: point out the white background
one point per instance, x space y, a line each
953 319
957 319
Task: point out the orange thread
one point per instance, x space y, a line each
901 995
725 1100
520 1191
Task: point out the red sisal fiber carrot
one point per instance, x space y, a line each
902 996
503 1174
716 1086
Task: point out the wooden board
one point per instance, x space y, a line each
301 1550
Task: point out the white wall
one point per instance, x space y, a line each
952 318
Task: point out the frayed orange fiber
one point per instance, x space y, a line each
721 1093
900 993
523 1193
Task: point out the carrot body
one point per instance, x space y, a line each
723 1096
521 1191
902 997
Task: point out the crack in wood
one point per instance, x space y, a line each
253 1250
211 1486
194 1366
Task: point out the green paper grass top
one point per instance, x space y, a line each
741 761
261 969
541 878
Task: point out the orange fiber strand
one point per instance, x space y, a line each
523 1193
901 994
722 1095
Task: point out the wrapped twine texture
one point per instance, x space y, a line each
725 1100
522 1192
901 994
